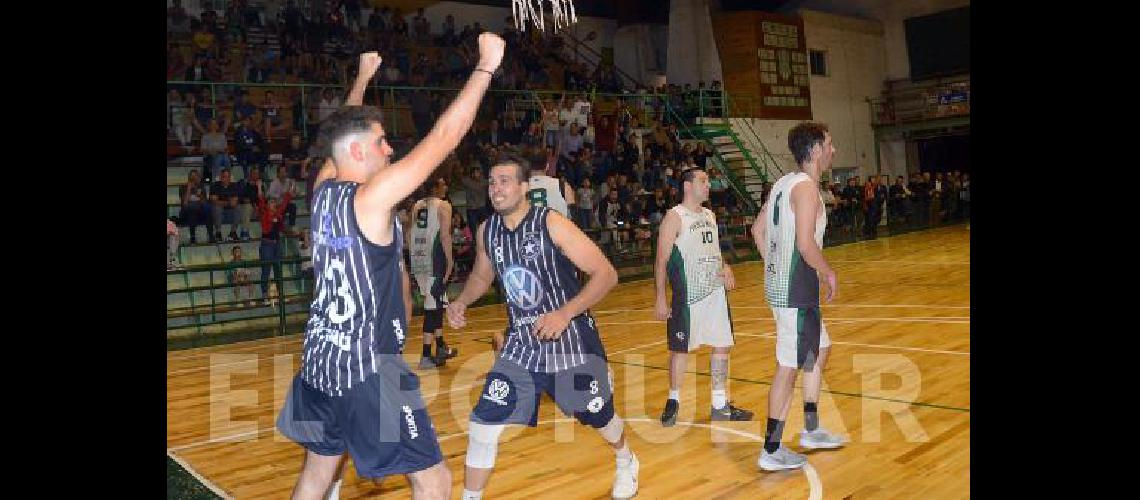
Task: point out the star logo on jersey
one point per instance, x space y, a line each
522 287
531 246
497 392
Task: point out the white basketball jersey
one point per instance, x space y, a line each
788 280
694 264
546 191
425 245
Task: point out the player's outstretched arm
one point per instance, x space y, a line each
385 189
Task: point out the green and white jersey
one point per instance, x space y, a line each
425 246
546 191
788 280
695 263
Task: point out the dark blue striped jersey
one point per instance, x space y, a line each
538 278
356 320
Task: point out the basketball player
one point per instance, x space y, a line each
321 154
354 393
432 264
688 252
789 234
553 346
545 191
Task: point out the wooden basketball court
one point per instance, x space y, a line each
897 385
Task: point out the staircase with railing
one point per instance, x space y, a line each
723 123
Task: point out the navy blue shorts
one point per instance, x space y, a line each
382 423
511 393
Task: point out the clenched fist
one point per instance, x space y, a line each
491 48
369 63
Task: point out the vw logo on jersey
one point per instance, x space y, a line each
522 287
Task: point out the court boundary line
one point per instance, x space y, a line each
198 477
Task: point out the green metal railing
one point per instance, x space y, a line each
743 109
738 184
214 306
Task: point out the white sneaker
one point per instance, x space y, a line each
625 481
820 438
782 459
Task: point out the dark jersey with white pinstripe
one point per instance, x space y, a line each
356 320
538 278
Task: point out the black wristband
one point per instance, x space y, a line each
487 72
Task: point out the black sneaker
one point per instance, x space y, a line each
732 413
669 416
442 355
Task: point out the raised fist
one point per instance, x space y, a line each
369 63
491 47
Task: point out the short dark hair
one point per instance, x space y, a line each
344 121
803 137
522 165
688 175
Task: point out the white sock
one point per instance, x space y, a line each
719 398
472 495
624 455
675 395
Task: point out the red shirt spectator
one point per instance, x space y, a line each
271 213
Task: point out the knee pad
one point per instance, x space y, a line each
483 444
612 430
